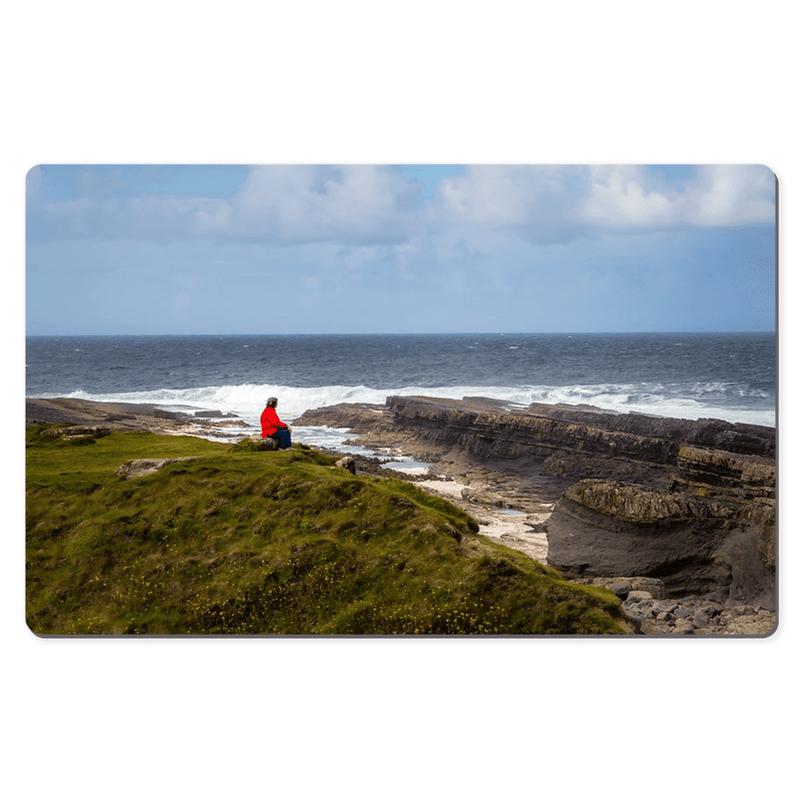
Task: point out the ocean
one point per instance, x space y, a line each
729 376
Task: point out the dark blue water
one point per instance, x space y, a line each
728 376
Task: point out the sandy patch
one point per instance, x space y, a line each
511 529
449 489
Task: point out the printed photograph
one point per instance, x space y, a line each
409 399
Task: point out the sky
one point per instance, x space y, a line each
208 249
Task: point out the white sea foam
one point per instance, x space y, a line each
247 400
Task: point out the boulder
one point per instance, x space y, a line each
263 442
698 617
623 587
139 467
695 545
73 432
348 463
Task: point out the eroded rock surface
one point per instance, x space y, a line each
695 544
125 417
690 504
139 467
684 510
555 444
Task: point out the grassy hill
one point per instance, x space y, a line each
234 540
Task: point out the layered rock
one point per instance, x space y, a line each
696 545
557 441
127 417
688 503
688 508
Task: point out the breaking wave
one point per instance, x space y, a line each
246 401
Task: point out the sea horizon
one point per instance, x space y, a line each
419 333
727 375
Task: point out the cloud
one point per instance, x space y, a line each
625 197
551 204
298 204
534 201
718 195
276 204
379 205
729 196
102 211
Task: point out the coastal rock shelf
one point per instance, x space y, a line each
684 511
688 503
131 417
695 544
559 442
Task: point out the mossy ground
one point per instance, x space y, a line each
239 541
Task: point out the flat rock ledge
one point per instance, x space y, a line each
676 517
129 417
76 433
686 506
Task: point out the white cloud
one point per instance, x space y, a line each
377 205
291 204
548 204
730 195
718 195
536 200
280 204
620 197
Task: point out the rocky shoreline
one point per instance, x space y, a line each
676 517
688 507
129 417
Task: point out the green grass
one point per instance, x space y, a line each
242 541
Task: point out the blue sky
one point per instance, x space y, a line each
399 248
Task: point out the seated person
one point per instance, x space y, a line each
272 426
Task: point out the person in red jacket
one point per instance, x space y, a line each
271 425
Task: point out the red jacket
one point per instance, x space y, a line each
270 422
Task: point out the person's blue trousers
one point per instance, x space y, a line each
284 437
